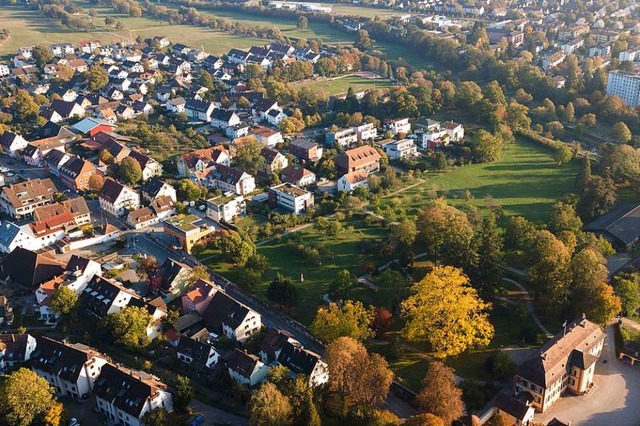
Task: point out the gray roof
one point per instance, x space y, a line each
621 223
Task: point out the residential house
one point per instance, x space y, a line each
18 200
29 269
116 198
366 131
275 117
274 161
102 297
199 355
246 369
267 136
225 315
399 125
77 274
159 209
199 110
76 172
200 159
297 175
186 231
60 110
227 179
364 158
150 167
15 349
92 126
291 198
238 131
350 181
13 144
70 369
222 118
35 151
225 208
397 150
171 280
178 105
280 347
199 297
342 137
518 411
566 363
552 60
54 160
155 188
305 150
125 396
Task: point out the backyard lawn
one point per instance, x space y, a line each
525 182
341 85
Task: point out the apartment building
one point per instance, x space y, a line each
291 198
625 86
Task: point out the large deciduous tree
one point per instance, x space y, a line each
25 398
63 300
446 231
183 393
445 311
440 395
348 319
550 261
130 171
129 327
235 247
96 77
356 375
283 291
248 156
269 407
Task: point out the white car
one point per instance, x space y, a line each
4 169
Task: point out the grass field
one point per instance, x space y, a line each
341 85
525 182
346 255
366 12
27 27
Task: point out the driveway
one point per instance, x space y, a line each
216 416
613 400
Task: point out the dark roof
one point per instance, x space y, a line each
99 295
581 359
224 310
77 263
512 406
222 114
297 359
196 105
264 104
269 155
188 323
63 108
152 187
621 223
111 190
29 268
15 347
125 391
556 422
227 174
6 139
167 273
198 351
58 359
242 363
273 341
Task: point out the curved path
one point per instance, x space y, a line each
529 306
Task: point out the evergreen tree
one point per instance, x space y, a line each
490 256
310 416
584 175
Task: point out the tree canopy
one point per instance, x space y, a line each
25 398
348 319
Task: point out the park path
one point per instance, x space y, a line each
529 306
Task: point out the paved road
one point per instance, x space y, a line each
613 400
216 416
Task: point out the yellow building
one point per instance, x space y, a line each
186 231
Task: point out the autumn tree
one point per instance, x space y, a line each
269 407
562 155
25 398
63 300
248 156
199 272
425 419
563 217
188 190
24 107
42 55
486 147
129 327
357 375
446 312
598 196
96 182
348 319
146 268
130 171
397 283
627 288
363 41
403 234
439 394
550 261
447 232
156 417
620 132
382 319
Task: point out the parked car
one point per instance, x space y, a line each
197 421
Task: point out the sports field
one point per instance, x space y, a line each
341 85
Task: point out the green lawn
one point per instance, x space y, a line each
525 182
341 85
27 27
346 255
